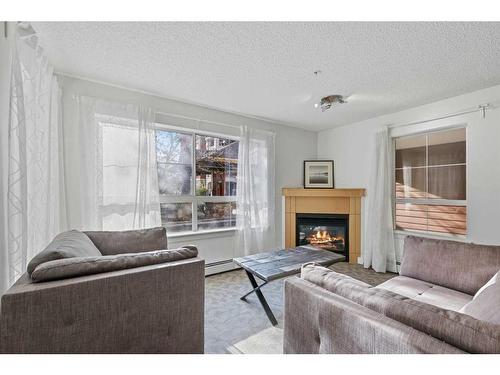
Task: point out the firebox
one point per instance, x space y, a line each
324 231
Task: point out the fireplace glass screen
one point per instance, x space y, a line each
327 232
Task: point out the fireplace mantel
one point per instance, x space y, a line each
300 192
325 201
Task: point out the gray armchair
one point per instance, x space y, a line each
157 308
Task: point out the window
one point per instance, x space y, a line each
197 180
430 182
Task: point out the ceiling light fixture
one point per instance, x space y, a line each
328 101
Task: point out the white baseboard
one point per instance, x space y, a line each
211 269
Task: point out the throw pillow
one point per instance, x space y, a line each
486 302
68 244
129 241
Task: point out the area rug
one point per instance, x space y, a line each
267 341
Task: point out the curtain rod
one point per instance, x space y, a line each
481 108
144 92
198 120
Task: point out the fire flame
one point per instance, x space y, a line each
324 239
323 235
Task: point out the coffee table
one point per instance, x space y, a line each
280 263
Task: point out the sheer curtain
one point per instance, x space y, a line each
256 191
379 251
116 164
35 193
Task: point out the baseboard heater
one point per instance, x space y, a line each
219 267
222 262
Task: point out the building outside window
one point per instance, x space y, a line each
197 180
430 182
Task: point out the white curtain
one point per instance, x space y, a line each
36 209
379 251
256 191
116 186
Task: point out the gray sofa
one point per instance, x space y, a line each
446 300
76 299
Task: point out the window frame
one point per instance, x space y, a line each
194 199
429 201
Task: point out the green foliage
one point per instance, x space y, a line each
202 191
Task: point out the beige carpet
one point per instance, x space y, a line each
235 326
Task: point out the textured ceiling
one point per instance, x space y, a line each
266 69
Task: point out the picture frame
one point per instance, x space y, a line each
318 174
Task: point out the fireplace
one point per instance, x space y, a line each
319 204
324 231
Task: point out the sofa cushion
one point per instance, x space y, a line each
129 241
426 292
460 330
486 303
456 265
75 267
68 244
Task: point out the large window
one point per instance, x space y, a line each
430 182
197 180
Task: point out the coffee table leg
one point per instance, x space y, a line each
262 299
244 298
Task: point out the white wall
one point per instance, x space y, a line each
352 146
292 147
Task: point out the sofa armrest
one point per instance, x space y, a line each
319 321
151 309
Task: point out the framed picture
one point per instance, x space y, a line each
318 174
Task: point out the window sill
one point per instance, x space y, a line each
453 237
200 233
